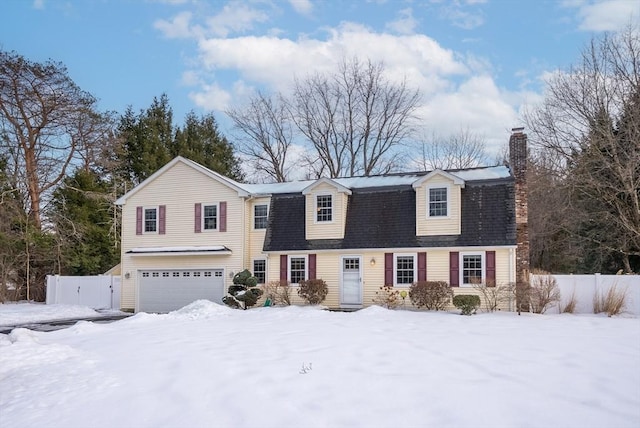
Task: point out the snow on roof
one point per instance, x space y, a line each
488 173
190 249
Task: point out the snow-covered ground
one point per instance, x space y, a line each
23 313
210 366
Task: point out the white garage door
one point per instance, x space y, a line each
170 289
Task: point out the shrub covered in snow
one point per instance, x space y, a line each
431 295
313 291
243 293
467 303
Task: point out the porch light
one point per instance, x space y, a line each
373 261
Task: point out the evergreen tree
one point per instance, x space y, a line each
145 140
83 220
201 141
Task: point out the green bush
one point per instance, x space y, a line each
431 295
467 303
314 291
243 292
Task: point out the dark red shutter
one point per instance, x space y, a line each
162 227
312 266
197 218
283 267
138 220
454 269
422 266
388 268
491 268
223 217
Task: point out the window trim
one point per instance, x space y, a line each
428 191
483 261
144 220
202 223
266 216
317 209
395 268
253 265
306 267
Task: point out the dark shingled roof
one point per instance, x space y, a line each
384 217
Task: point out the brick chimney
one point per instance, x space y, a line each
518 166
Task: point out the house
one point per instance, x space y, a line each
186 230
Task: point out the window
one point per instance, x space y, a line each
260 270
260 217
472 269
405 269
297 269
438 202
324 208
210 217
150 220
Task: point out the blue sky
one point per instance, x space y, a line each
478 63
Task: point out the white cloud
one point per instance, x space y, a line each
462 18
179 27
235 17
405 24
303 7
458 90
211 97
38 4
605 15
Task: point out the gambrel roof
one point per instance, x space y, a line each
385 217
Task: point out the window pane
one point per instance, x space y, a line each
260 217
324 208
404 270
260 270
210 217
472 269
438 202
297 269
150 220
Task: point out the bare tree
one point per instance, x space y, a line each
590 120
40 110
464 149
265 133
355 118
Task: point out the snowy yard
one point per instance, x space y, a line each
210 366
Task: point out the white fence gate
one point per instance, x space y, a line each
584 287
97 292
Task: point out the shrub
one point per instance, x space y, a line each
431 295
543 292
570 306
493 296
278 291
243 292
467 303
387 297
314 291
612 302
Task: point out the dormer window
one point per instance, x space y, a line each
324 208
438 202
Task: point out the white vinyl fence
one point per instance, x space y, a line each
97 292
584 288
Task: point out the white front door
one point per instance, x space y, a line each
351 281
